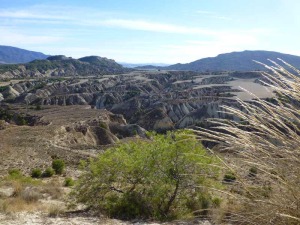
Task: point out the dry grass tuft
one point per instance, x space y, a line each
267 138
53 189
29 195
13 205
55 210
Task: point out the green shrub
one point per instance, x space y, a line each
69 182
229 177
3 88
216 202
49 172
103 125
21 121
15 173
17 179
58 165
253 171
150 179
36 173
38 107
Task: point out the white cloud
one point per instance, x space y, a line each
143 25
50 12
13 37
42 15
25 14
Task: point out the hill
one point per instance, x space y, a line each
62 66
11 55
234 61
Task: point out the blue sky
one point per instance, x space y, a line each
148 31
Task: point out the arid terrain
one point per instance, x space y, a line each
149 112
75 118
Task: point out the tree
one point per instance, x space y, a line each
164 177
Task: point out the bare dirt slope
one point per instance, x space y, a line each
68 132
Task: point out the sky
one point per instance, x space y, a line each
150 31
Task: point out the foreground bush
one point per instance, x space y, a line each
166 177
267 145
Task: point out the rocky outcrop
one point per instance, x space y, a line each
106 129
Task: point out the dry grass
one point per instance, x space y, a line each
267 139
13 205
24 198
53 189
55 210
30 195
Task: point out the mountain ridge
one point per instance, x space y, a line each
14 55
61 65
233 61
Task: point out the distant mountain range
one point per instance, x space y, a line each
61 65
234 61
11 55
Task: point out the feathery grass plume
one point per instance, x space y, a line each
267 139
